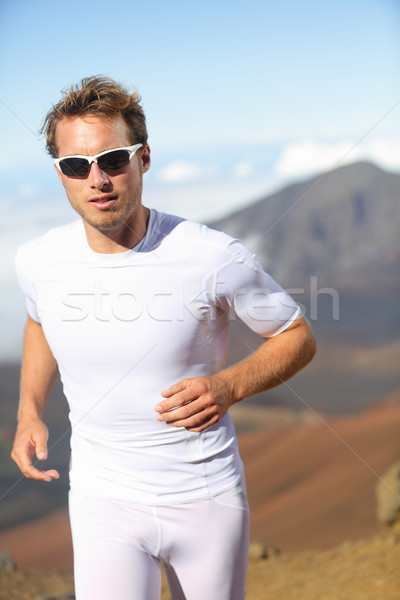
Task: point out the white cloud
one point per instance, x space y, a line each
384 152
28 191
305 158
300 159
208 199
243 169
180 171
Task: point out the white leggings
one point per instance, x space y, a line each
119 546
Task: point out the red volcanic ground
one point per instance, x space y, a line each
314 486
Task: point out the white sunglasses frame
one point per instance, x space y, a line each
91 159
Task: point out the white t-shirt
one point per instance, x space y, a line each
123 327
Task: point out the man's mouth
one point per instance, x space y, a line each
103 202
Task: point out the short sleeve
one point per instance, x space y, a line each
26 282
241 287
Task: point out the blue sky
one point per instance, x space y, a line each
241 97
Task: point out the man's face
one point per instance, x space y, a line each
104 201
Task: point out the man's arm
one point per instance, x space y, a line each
38 374
200 402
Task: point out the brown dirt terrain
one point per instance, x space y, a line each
362 570
312 486
311 489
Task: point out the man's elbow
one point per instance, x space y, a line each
309 344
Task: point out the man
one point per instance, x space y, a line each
132 308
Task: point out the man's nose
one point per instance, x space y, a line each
97 178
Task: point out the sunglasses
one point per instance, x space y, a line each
108 161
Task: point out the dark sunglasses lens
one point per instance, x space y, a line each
75 167
112 161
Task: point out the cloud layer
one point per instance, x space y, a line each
303 158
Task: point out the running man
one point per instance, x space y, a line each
132 307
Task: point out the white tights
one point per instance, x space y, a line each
119 546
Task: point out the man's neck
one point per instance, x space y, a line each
118 239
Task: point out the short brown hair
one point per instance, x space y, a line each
100 96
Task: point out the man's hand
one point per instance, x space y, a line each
201 402
31 439
196 403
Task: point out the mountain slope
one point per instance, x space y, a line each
330 226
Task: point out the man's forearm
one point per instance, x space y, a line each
278 359
38 374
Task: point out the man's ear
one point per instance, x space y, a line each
59 174
145 158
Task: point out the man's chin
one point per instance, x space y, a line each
107 221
